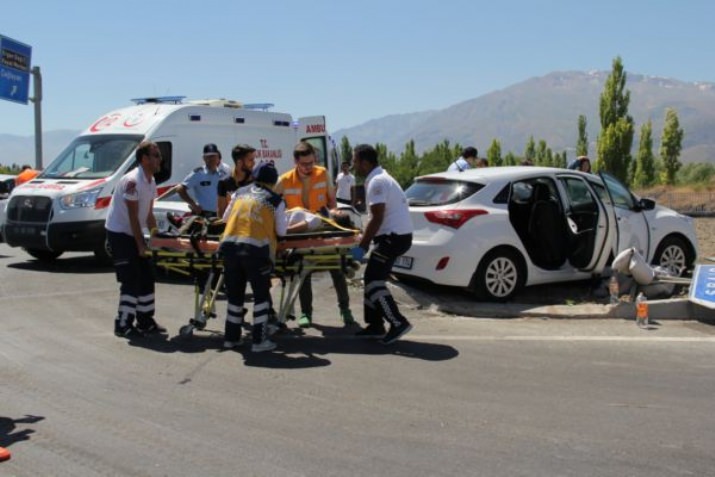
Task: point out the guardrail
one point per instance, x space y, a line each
696 204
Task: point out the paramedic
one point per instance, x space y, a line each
464 162
308 186
244 158
390 228
203 182
129 211
253 221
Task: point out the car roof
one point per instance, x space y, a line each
503 173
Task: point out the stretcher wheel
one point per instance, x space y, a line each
198 324
355 264
186 330
350 273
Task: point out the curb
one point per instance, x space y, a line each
669 309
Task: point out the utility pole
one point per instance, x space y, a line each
37 100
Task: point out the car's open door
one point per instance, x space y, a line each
632 226
590 224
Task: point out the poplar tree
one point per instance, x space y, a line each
510 159
530 150
670 146
644 175
617 127
346 150
494 153
582 142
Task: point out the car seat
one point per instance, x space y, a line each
547 229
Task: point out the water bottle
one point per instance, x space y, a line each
613 289
642 310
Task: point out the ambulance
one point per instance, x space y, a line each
64 208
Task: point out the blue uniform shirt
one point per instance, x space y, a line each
203 184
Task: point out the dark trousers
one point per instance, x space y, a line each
240 269
135 275
378 301
341 289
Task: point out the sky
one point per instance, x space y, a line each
350 61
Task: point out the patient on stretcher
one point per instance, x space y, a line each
301 220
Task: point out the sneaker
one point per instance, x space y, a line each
231 344
304 321
128 332
371 331
347 317
151 326
396 332
265 345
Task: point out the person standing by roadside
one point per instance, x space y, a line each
464 162
203 183
345 185
244 158
308 186
254 220
389 227
131 210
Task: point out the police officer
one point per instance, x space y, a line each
203 183
254 219
129 211
390 228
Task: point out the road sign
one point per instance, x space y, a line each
14 70
702 290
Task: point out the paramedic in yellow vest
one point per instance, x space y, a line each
253 219
308 186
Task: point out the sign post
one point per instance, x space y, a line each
14 70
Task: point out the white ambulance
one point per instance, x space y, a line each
64 208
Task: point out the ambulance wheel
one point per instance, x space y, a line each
103 254
186 330
44 255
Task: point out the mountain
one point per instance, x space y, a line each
548 108
21 149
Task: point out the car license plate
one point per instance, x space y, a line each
404 261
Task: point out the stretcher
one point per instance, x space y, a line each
297 256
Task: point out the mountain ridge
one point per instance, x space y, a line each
547 107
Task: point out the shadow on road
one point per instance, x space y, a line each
85 265
295 349
8 436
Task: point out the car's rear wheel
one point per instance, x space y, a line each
44 255
673 253
500 276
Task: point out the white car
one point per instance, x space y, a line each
495 230
7 183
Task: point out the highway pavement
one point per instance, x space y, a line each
459 395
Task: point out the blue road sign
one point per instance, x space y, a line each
702 290
14 70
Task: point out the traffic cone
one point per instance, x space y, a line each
4 454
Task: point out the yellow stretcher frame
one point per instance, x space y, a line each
295 261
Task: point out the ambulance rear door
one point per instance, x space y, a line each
312 129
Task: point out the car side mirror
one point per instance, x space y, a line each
646 204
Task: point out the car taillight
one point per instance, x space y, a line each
454 218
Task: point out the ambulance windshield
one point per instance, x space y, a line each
92 157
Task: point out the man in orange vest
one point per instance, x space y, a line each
27 174
308 186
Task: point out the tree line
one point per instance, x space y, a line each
613 147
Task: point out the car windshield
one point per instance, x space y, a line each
437 191
92 157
